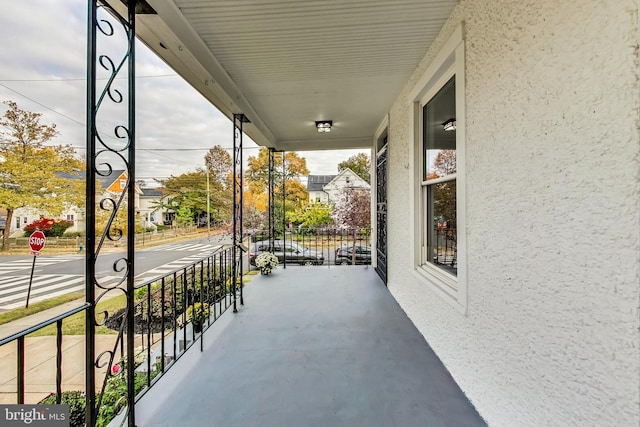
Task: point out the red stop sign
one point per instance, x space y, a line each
36 242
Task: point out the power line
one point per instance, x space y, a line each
84 78
42 105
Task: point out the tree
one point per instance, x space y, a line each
445 163
257 176
313 215
444 193
360 164
220 167
353 208
26 176
187 191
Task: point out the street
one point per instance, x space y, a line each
56 275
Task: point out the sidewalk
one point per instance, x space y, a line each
40 358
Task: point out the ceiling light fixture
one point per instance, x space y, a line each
324 125
449 125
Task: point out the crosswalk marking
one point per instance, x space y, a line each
13 289
191 247
21 264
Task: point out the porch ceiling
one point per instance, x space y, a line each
287 63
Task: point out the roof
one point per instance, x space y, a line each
151 192
317 182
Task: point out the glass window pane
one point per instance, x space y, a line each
442 230
439 118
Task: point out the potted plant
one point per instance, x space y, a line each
266 262
198 313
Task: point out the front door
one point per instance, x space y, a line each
381 212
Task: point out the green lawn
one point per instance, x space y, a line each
75 325
37 307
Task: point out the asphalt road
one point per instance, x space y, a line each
55 275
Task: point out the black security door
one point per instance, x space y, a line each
381 211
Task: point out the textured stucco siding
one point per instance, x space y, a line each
551 335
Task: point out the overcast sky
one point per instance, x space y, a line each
43 68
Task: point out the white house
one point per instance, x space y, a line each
315 188
509 125
329 188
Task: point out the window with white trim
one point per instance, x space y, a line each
439 180
438 186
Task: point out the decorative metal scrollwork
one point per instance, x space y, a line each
110 157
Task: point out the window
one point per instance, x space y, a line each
17 222
123 184
24 220
70 218
439 179
438 120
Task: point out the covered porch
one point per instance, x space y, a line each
312 346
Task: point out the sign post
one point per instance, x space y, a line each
36 243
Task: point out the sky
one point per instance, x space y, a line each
43 69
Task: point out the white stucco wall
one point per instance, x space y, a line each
551 335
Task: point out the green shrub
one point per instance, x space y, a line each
114 397
77 402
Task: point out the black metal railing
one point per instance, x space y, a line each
313 246
19 339
171 314
445 248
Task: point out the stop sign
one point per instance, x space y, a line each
36 242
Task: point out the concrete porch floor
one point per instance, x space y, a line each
312 346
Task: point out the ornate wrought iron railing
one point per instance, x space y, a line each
170 315
313 246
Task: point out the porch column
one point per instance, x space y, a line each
238 186
107 151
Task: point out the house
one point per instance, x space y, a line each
346 179
537 320
315 188
149 209
329 188
510 125
113 183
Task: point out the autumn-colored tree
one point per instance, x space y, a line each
257 177
27 177
445 193
360 164
353 208
445 163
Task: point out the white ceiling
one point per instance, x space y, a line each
287 63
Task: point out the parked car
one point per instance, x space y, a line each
295 253
344 254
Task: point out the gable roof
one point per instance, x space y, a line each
317 182
151 192
348 175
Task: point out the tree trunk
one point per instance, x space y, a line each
7 230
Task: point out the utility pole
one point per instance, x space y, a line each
208 206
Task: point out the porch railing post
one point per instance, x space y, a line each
90 382
238 187
107 152
271 200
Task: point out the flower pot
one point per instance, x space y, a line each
197 325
